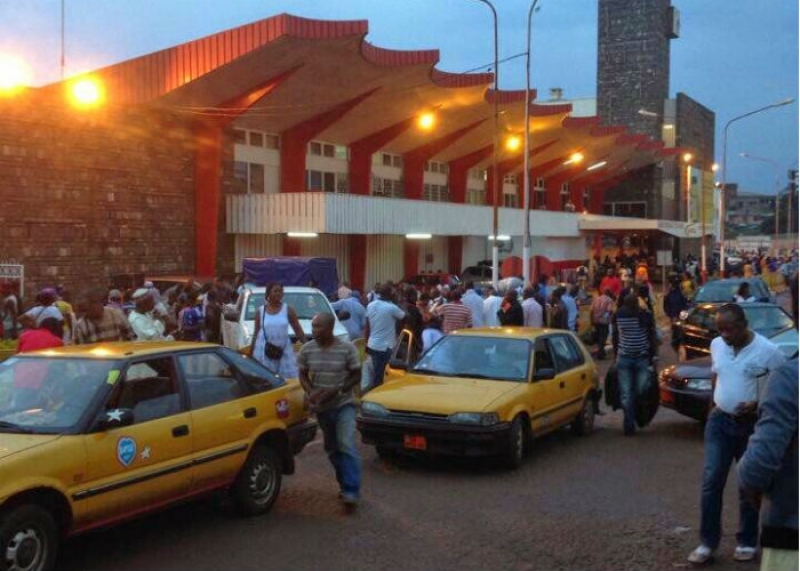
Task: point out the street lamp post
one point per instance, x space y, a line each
777 192
526 174
687 158
725 174
495 182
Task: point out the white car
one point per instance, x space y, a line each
238 321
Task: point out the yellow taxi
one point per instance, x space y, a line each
93 435
481 392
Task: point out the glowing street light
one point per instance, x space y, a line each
574 159
426 121
86 92
513 143
14 73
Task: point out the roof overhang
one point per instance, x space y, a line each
674 228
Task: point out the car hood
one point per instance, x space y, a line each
787 342
439 395
339 330
11 443
694 369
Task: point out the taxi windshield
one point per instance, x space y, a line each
305 304
50 395
473 357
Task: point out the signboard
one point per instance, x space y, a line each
664 257
13 275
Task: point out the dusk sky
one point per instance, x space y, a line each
732 56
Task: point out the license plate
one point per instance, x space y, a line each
667 396
415 442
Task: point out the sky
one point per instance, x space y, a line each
732 56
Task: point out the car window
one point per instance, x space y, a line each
564 353
767 320
305 304
542 358
702 319
149 388
475 357
255 375
210 380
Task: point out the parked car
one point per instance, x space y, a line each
239 320
723 291
91 435
699 327
686 387
431 279
482 392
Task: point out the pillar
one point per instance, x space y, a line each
207 196
357 245
455 252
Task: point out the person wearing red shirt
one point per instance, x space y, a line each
46 336
612 283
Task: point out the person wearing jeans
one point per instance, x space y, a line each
381 332
328 369
635 349
741 361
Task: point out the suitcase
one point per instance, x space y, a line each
646 403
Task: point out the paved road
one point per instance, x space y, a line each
597 502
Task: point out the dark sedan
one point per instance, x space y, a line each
723 291
699 327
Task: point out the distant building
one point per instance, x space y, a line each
747 210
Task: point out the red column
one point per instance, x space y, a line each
413 175
207 195
459 173
576 189
357 244
291 246
455 248
361 151
410 257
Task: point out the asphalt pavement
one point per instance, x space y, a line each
600 502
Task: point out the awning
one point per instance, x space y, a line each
674 228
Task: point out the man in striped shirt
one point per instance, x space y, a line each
455 315
635 348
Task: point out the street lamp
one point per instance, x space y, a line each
526 174
725 174
777 190
687 159
495 150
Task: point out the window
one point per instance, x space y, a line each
272 142
210 380
510 200
314 180
240 170
397 161
341 153
565 195
256 139
255 376
478 174
567 355
585 205
315 148
387 160
510 179
328 151
256 185
435 192
539 200
476 196
240 136
542 359
149 389
329 182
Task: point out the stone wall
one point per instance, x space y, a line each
88 194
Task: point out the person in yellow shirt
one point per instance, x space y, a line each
688 286
65 307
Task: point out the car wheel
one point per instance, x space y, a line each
515 451
28 539
584 422
259 482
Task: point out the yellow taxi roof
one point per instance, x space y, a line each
120 350
505 331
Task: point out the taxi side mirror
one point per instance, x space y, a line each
115 418
544 374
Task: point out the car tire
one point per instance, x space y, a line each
258 483
516 445
28 539
583 423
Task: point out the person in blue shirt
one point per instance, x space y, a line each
568 300
358 314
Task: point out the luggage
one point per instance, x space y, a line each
646 403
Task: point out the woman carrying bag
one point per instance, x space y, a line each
271 345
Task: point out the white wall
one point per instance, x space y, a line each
326 164
384 259
437 247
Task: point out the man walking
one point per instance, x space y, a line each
329 368
97 322
741 360
601 311
532 310
381 332
474 302
769 467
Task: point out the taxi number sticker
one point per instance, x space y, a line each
113 377
282 408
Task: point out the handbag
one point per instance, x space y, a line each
271 351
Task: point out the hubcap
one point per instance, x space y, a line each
519 444
25 550
262 482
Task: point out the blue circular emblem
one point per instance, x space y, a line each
126 450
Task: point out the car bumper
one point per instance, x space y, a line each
301 434
691 403
445 439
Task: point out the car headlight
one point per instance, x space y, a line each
478 418
683 315
699 384
373 409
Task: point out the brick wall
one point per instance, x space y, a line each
85 195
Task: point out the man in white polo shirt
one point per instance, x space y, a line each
741 361
381 331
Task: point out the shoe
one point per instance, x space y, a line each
350 498
629 432
703 554
742 553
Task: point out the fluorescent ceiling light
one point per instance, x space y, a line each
596 166
301 234
501 238
418 236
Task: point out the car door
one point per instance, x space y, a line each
144 464
543 394
225 411
403 356
568 375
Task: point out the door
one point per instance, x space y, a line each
572 375
404 356
544 395
147 463
224 413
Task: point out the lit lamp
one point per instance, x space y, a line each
86 92
14 74
687 159
426 121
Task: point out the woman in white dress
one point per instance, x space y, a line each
271 345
